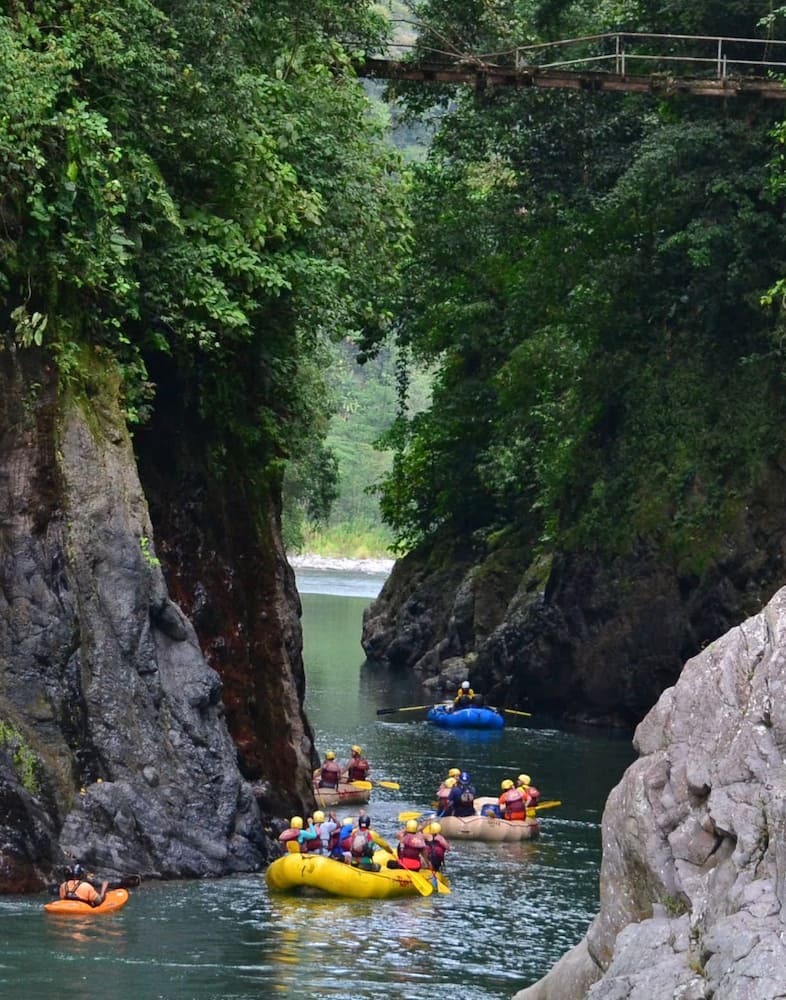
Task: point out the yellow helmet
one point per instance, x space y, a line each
524 779
349 821
412 826
296 822
330 755
454 772
435 827
450 782
507 783
319 816
355 749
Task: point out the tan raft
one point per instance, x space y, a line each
490 828
345 795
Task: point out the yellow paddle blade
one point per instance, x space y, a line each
547 805
365 785
421 883
389 784
403 817
381 842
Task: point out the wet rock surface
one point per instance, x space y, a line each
114 742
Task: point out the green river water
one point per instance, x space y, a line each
513 911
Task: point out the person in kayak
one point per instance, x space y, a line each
357 766
461 801
77 886
436 845
330 772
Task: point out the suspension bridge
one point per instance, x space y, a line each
626 62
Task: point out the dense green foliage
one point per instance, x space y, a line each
203 181
588 277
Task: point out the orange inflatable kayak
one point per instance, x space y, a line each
114 899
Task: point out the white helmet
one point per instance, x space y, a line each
465 685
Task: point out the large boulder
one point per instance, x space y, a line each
694 846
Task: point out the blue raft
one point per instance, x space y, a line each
465 718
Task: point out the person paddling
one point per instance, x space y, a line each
329 775
436 845
411 847
77 886
357 766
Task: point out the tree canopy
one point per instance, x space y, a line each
589 276
202 181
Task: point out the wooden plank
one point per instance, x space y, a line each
530 76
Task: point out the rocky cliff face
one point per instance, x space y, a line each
694 854
114 744
575 635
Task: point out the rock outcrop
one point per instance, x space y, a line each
694 846
576 635
114 744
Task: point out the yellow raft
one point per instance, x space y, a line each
114 899
315 871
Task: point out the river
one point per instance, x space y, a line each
513 909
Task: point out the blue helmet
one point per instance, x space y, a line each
464 778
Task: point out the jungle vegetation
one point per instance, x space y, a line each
199 182
594 279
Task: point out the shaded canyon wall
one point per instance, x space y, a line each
572 634
114 743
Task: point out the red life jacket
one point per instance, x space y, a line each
357 769
515 804
411 846
437 848
330 775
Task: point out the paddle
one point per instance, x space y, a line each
442 889
421 883
368 785
411 708
514 711
545 805
381 842
404 816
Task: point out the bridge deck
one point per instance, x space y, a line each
483 75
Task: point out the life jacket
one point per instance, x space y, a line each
290 838
330 775
514 804
411 846
75 888
534 795
357 769
361 844
437 848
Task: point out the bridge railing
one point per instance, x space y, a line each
626 53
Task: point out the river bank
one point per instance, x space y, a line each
310 560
